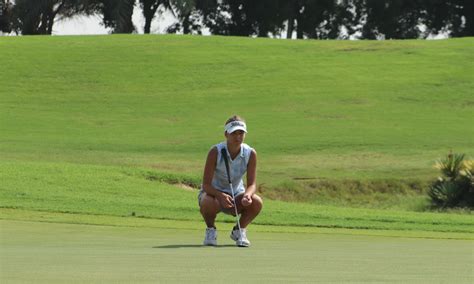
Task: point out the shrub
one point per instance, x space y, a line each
456 186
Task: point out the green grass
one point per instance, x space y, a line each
113 131
104 125
125 192
64 253
334 109
397 194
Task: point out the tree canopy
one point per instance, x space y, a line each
318 19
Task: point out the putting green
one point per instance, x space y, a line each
64 253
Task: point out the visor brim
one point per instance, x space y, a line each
233 129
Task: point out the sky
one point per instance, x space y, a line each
92 25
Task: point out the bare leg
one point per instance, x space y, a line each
248 213
209 209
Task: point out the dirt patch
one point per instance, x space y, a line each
186 187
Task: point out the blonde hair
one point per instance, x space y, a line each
234 118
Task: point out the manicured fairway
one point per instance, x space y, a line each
334 109
65 253
103 141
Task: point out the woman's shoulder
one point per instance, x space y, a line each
219 146
248 150
215 150
247 147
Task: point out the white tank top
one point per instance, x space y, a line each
237 168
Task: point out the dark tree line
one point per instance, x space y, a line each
319 19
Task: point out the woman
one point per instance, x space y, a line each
216 195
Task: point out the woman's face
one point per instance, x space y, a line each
236 137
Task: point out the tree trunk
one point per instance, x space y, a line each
49 28
147 27
51 16
291 20
186 24
299 26
123 17
43 23
291 26
149 11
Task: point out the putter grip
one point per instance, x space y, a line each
224 155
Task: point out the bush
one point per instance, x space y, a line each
456 186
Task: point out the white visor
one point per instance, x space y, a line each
235 125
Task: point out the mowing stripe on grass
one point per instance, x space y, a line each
105 220
64 253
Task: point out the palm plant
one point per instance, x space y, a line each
456 186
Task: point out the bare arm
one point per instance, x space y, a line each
251 179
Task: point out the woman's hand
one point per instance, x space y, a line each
247 199
225 200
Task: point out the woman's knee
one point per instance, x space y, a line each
209 203
257 202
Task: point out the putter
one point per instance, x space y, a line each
224 154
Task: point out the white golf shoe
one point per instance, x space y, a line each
240 238
211 237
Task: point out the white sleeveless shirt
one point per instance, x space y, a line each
237 168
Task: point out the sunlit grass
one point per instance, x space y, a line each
321 114
314 108
130 192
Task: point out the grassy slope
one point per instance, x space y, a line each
359 110
334 109
112 191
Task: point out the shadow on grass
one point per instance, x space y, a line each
192 246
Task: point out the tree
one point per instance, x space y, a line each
229 18
455 17
117 14
187 12
311 18
320 19
5 16
184 10
244 17
149 8
391 19
37 17
466 12
316 19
